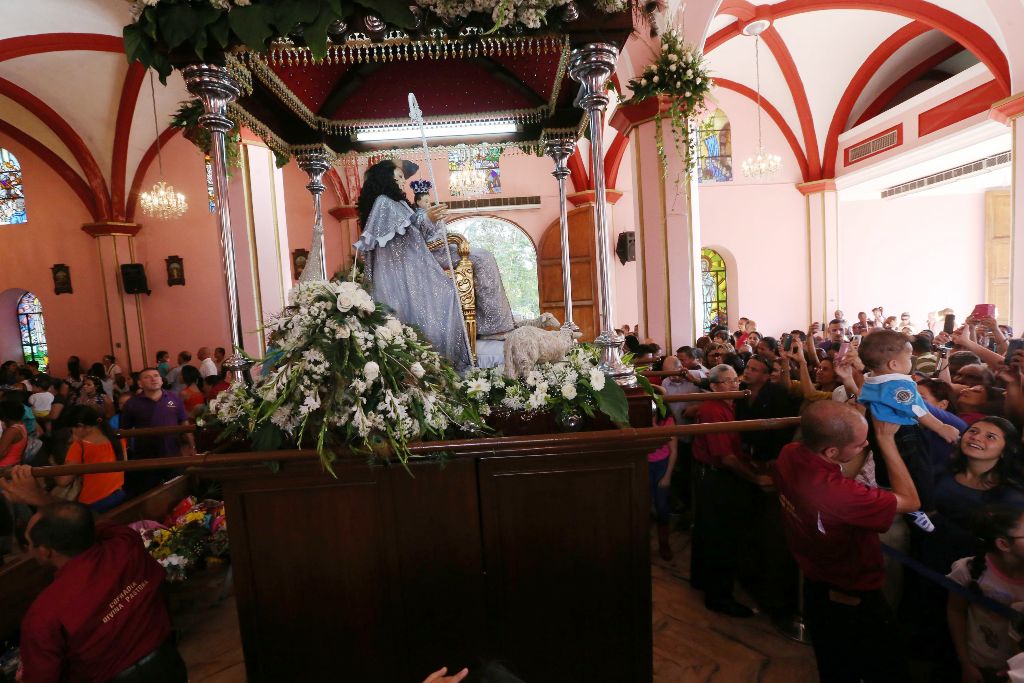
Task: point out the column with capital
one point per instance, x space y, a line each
591 65
822 218
668 240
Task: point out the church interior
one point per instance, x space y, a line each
491 329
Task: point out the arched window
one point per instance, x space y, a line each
714 152
33 331
515 254
12 194
716 299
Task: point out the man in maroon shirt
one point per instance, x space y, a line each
725 483
832 525
103 617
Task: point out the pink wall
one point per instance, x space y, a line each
184 318
759 228
933 255
76 323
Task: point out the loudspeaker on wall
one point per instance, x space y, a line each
133 275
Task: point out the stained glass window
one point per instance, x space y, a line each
33 331
12 194
714 154
474 170
716 298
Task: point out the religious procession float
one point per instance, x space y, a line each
412 477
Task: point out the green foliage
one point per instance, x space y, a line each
612 402
516 257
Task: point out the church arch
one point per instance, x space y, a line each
515 254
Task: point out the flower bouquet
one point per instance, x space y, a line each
193 535
342 370
678 72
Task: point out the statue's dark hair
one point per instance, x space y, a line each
379 180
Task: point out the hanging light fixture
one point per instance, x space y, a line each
763 164
162 201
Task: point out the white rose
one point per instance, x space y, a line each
243 3
688 94
417 370
596 379
698 81
643 81
673 57
345 302
371 370
569 391
394 326
672 67
366 304
689 73
654 80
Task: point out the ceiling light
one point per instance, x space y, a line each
162 201
454 130
763 164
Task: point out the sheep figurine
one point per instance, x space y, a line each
527 346
546 321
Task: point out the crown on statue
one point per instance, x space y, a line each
421 186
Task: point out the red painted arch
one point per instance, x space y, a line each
122 132
878 104
971 36
787 64
578 172
59 166
776 116
68 135
20 46
881 54
613 159
140 172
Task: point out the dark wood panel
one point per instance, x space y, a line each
316 575
567 560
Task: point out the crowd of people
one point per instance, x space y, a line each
908 443
56 417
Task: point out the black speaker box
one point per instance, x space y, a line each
625 248
133 275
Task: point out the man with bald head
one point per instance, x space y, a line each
832 524
207 368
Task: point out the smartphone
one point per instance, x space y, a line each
787 342
844 348
950 324
943 351
1013 345
855 343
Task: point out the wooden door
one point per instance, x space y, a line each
997 251
582 266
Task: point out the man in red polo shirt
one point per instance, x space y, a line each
724 485
103 617
832 525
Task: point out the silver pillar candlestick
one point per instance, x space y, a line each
591 65
216 88
315 162
560 150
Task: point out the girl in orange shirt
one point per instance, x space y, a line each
93 441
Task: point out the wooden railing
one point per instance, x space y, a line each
456 448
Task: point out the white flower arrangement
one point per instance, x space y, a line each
573 385
530 13
678 72
342 370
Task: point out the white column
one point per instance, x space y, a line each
1011 112
822 218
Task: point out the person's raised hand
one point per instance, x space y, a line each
441 676
949 433
437 212
886 430
796 351
22 487
844 369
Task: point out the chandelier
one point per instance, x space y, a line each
763 164
162 202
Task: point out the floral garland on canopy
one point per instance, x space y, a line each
208 28
679 73
342 370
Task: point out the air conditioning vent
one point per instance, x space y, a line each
974 168
885 141
493 204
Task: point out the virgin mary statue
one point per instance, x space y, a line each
400 270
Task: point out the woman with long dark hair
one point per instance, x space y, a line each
400 270
94 441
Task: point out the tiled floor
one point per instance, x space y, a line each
691 645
